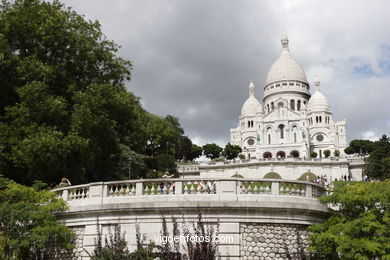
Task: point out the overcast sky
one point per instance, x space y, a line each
194 59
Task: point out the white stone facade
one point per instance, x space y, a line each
291 122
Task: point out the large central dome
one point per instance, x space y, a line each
285 67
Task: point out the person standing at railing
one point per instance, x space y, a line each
64 182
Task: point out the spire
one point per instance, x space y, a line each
251 89
284 42
317 82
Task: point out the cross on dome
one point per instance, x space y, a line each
251 89
317 82
284 42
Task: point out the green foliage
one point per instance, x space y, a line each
359 225
114 248
313 154
361 147
327 153
378 162
241 156
337 153
64 109
184 149
196 152
272 175
231 151
201 250
28 227
212 151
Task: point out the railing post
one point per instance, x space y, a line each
309 191
96 189
275 188
224 187
178 187
65 194
139 188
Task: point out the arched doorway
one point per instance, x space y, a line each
281 154
294 153
308 176
267 155
272 175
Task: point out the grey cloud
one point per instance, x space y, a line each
195 59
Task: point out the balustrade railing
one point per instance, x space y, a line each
193 186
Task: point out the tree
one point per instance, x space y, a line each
196 152
337 153
231 151
184 149
378 162
313 154
241 156
28 227
212 151
64 109
361 147
359 223
327 153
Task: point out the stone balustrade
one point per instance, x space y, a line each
187 186
240 206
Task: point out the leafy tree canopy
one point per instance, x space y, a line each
212 151
64 109
359 225
196 152
378 162
28 227
184 149
231 151
361 147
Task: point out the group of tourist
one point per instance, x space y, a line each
324 181
345 178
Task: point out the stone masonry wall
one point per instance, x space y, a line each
78 243
272 241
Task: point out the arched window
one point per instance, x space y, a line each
281 129
267 155
316 119
249 124
292 104
320 119
280 105
268 107
272 106
269 134
299 105
295 137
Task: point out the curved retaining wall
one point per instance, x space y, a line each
263 218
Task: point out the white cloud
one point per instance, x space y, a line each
370 135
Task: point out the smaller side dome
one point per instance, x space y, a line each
251 105
318 101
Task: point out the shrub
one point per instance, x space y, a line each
327 153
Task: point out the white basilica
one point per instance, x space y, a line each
291 122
